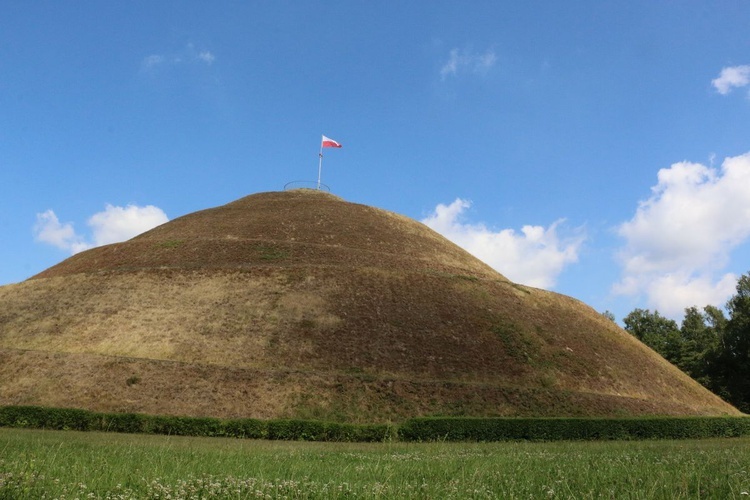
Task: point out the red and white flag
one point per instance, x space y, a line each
329 143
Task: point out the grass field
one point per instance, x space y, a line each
51 464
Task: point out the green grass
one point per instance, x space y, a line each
59 464
268 252
171 243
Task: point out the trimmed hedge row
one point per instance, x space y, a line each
416 429
37 417
571 429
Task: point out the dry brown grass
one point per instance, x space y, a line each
301 304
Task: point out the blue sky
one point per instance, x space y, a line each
598 149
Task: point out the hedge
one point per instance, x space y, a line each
311 430
416 429
571 429
246 428
38 417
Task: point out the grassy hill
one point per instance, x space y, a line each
300 304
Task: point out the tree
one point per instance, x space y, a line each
716 322
659 333
715 318
701 333
733 360
711 348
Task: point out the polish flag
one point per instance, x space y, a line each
329 143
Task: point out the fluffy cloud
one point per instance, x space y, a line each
48 229
681 237
467 61
535 257
116 224
734 76
112 225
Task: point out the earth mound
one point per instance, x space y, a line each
300 304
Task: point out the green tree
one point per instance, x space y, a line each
715 318
659 333
733 359
701 334
716 322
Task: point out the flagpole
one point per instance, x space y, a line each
320 163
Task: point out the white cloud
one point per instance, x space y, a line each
206 56
467 61
187 55
112 225
49 230
535 257
734 76
116 224
672 293
152 61
681 237
450 67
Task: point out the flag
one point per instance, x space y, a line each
329 143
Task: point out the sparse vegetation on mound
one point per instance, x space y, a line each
301 305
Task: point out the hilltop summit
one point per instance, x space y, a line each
300 304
